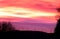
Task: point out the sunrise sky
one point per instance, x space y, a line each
42 12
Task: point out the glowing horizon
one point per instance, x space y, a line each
23 12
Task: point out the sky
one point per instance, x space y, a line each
39 14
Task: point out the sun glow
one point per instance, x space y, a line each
23 12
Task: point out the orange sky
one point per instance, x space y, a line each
33 6
43 7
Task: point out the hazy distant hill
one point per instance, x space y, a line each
46 27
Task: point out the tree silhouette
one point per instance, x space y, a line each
57 29
58 9
6 26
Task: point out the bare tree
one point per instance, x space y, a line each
6 26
